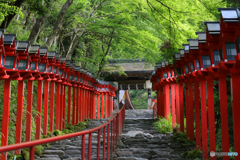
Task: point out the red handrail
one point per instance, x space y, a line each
118 118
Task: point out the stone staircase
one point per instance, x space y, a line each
141 141
70 149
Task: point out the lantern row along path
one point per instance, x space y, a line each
140 140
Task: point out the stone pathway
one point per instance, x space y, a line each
141 141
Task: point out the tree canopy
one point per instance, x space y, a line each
92 31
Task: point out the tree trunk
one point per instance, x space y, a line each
9 17
36 29
58 23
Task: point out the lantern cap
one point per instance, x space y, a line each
213 27
193 43
186 48
158 65
57 56
77 68
177 56
51 54
8 38
43 51
67 63
33 49
21 45
62 59
202 37
230 15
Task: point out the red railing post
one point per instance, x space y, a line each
52 96
5 118
45 119
204 120
98 145
83 147
19 115
29 110
89 145
108 142
211 118
112 138
69 105
224 116
173 105
61 106
197 115
235 112
190 109
32 153
39 110
104 137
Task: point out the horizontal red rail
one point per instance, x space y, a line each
118 118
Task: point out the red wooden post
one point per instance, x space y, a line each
159 107
197 115
235 112
177 106
58 109
108 142
98 107
84 111
190 109
60 106
64 106
19 115
5 118
162 102
224 116
29 110
89 145
106 105
73 110
81 103
87 104
83 147
91 105
32 153
77 105
69 105
167 101
187 109
39 110
52 96
102 105
211 118
45 119
94 105
173 105
181 109
204 120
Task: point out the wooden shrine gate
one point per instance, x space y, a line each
214 56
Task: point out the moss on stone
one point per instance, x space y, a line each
38 150
69 127
57 133
194 154
25 153
50 134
